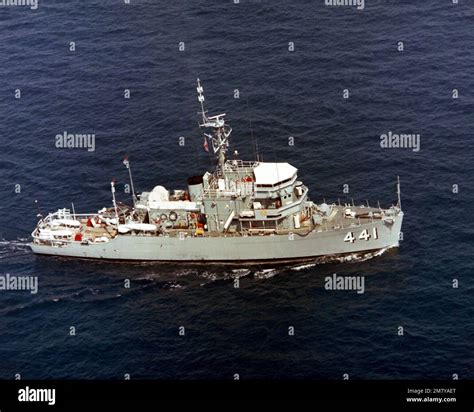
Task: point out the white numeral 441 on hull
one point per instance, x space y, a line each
364 235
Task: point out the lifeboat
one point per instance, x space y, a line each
66 223
48 234
138 227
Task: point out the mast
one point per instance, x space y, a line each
220 130
126 162
112 188
399 194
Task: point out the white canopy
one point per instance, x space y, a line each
273 173
158 194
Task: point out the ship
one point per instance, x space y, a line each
241 212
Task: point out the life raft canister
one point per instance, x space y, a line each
173 216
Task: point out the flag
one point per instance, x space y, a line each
205 145
125 161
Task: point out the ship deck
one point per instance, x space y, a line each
342 216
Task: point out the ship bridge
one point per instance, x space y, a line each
270 175
249 178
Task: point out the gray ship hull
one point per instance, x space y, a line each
237 249
243 212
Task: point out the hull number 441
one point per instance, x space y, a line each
364 235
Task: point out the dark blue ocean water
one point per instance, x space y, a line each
240 46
